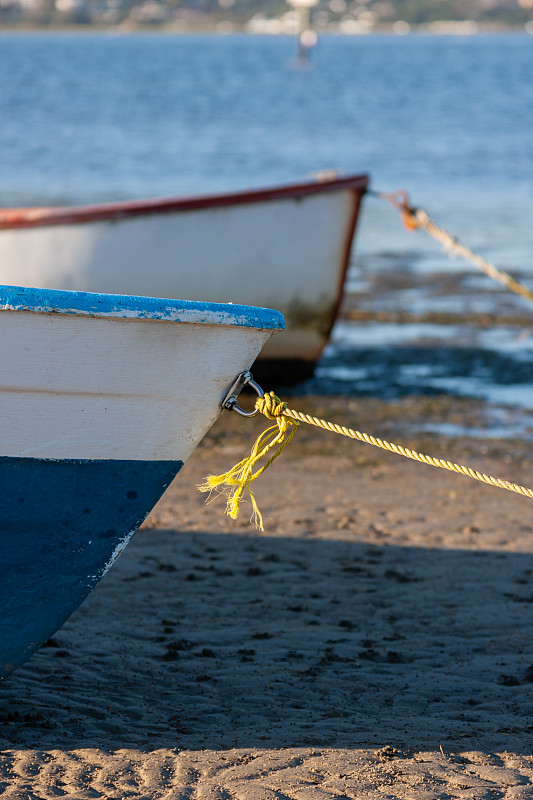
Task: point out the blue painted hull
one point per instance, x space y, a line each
62 524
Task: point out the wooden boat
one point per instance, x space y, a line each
102 399
286 248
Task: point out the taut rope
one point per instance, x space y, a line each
239 478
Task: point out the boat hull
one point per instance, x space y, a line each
285 248
101 401
64 523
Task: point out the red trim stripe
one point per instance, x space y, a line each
71 215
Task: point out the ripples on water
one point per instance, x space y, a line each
88 118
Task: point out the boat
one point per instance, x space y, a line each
102 400
286 247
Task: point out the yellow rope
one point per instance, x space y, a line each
407 453
239 478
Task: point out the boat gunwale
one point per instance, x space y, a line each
134 307
33 217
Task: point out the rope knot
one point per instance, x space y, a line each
239 478
409 219
400 200
270 405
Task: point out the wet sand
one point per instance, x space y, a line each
375 642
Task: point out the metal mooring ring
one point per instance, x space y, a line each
230 401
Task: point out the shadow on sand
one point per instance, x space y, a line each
220 641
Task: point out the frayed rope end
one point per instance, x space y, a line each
238 478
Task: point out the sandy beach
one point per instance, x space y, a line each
376 641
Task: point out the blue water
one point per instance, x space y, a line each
90 115
96 117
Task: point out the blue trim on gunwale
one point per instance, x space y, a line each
21 298
62 524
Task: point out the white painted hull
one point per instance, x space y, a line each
111 386
286 249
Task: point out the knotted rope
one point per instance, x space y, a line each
241 475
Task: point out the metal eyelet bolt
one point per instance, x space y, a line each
230 401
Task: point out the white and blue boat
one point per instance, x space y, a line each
102 400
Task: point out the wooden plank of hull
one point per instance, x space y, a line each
116 389
287 249
99 409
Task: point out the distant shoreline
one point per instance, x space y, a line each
229 28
